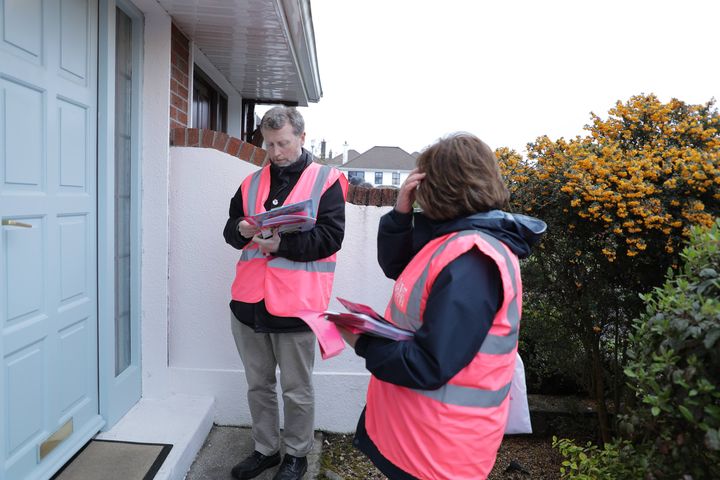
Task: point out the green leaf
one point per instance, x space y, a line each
686 413
712 440
711 337
708 273
655 411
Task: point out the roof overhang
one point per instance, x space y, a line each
265 48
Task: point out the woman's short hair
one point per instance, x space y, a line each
462 178
277 117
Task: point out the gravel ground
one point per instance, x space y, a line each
534 455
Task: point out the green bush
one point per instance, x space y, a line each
553 359
674 367
592 463
671 424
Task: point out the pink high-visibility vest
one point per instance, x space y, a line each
288 287
454 432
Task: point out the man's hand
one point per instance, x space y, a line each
406 195
349 337
247 230
268 245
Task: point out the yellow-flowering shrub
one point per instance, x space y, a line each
619 202
642 176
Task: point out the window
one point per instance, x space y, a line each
378 178
396 178
209 104
356 176
124 267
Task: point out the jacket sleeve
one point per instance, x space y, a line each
235 216
459 312
395 242
327 235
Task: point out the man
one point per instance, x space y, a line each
276 278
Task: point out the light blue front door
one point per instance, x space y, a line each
48 241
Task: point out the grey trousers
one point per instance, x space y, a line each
294 353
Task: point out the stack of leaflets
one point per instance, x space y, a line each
296 217
363 319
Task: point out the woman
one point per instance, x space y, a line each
437 405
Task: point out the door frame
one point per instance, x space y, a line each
117 394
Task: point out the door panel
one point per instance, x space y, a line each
23 26
48 246
23 153
24 271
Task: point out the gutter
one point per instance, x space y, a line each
296 21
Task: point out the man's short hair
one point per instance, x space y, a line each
277 117
462 178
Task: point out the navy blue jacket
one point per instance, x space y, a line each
459 311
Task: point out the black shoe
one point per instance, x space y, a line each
292 468
254 465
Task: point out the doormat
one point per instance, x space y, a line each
114 460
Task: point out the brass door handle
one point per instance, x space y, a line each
15 223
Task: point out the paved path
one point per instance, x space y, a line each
226 446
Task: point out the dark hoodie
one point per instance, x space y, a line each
459 310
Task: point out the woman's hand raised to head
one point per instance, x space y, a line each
406 195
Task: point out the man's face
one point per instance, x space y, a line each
283 146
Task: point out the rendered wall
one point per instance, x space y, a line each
201 352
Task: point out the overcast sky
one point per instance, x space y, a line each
405 72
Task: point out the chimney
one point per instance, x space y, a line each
322 149
345 152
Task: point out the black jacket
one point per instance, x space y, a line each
320 242
459 311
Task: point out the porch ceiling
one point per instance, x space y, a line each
265 48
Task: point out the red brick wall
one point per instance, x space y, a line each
375 197
179 79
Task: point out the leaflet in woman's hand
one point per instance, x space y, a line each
363 319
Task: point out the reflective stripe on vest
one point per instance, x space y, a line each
279 262
252 192
316 266
467 396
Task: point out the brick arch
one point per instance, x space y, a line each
199 137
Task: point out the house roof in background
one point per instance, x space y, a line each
338 159
385 158
265 48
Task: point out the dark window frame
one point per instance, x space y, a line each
206 94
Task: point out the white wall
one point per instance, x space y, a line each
154 200
201 351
